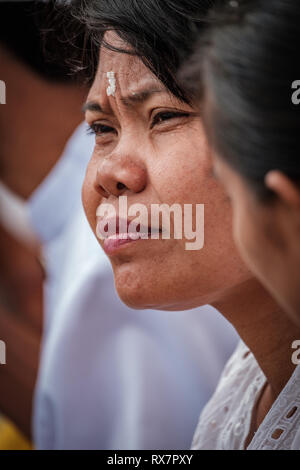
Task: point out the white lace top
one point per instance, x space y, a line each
226 419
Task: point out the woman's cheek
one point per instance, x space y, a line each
90 197
183 170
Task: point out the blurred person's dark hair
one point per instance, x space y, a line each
242 73
160 32
30 30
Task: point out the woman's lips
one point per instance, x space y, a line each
113 241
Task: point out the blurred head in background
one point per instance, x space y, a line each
243 74
43 101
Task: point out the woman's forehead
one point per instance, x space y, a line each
126 67
128 72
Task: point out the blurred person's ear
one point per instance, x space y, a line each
286 190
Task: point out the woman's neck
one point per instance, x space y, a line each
265 329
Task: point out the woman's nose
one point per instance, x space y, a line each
116 175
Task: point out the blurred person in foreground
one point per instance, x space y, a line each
242 75
109 377
264 184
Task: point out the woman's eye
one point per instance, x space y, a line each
99 129
166 116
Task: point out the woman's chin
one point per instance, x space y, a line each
144 289
137 287
133 290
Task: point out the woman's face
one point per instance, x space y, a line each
267 236
151 148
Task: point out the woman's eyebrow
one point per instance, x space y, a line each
92 106
140 96
129 100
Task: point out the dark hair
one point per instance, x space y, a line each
25 33
160 32
243 69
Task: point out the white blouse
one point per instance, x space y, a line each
226 419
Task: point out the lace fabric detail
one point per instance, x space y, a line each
226 419
282 423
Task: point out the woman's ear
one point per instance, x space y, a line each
283 187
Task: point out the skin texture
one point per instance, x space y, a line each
169 162
267 234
